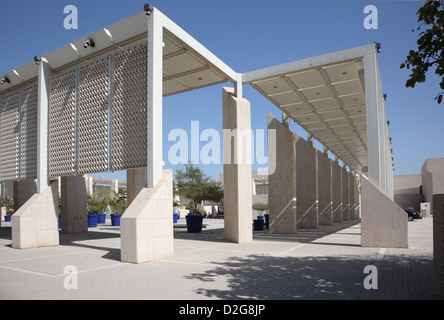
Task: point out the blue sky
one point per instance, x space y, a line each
249 35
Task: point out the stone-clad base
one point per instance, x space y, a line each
35 224
146 227
384 223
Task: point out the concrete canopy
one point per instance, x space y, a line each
325 95
187 65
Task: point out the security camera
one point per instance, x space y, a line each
4 80
89 43
148 8
37 59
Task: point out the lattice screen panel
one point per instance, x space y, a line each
93 117
61 129
28 133
9 127
129 125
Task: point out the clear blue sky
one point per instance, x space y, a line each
249 35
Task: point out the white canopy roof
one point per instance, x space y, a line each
325 95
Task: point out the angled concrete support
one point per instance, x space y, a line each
306 184
325 189
282 183
237 168
384 223
345 196
336 180
146 227
35 224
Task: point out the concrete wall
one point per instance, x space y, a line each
407 191
432 175
438 242
282 183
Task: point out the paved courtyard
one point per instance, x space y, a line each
326 263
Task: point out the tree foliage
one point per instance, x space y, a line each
192 183
430 51
259 206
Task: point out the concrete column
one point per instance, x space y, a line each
282 183
136 180
345 196
74 205
23 191
336 173
154 98
44 80
306 184
115 185
438 242
147 225
237 168
325 189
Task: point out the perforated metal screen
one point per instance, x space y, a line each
18 134
98 116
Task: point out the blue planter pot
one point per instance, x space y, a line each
194 223
260 218
92 220
101 218
175 217
258 225
8 218
115 219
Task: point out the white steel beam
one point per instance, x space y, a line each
154 98
44 77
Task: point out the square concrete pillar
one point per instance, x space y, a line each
136 180
345 196
146 227
35 224
237 168
74 204
325 189
23 191
384 223
438 242
306 184
282 182
336 180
